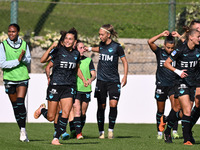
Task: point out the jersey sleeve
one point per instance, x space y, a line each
53 52
91 66
120 51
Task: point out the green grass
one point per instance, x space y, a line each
130 21
127 137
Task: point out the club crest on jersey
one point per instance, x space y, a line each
110 50
197 55
64 55
173 53
75 58
164 54
185 55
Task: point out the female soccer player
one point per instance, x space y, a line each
62 82
186 56
83 94
108 77
14 58
164 77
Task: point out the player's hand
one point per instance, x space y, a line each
175 34
89 81
165 33
124 81
184 74
85 83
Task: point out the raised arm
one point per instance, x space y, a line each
45 57
152 40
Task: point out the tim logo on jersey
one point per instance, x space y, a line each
68 65
105 57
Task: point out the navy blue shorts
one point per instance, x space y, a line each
58 92
163 92
183 89
11 88
83 96
103 89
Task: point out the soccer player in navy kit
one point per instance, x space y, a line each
164 77
108 81
62 82
186 56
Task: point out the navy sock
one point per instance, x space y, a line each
61 127
16 113
71 125
175 127
158 116
195 115
112 117
100 118
22 112
44 112
77 124
83 118
186 127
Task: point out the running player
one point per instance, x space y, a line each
62 82
164 77
14 58
108 81
186 56
83 94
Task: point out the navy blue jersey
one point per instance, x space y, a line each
108 61
186 59
164 76
64 67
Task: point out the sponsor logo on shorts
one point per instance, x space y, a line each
115 97
159 91
53 91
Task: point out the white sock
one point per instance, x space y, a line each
174 131
23 129
110 130
159 133
101 132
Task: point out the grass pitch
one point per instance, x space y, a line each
127 137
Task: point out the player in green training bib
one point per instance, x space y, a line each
14 58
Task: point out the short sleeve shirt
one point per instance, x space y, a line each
107 69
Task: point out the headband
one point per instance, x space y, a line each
105 30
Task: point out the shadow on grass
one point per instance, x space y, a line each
81 143
126 137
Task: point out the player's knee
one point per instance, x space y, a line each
50 117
